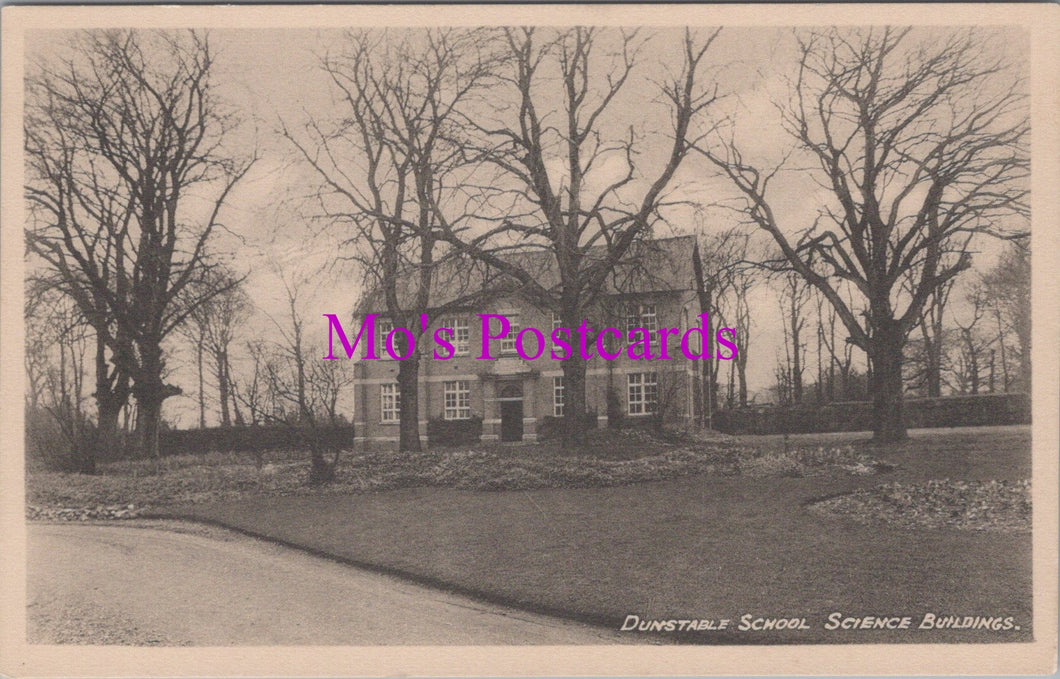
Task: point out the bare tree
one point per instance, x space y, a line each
252 391
194 331
389 171
745 279
973 345
793 297
930 350
58 344
723 278
328 381
549 124
224 314
211 329
288 387
1007 287
50 160
123 132
36 357
921 142
839 348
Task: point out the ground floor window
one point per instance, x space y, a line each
643 393
390 402
557 396
457 398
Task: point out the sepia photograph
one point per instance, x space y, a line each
529 340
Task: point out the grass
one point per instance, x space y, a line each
695 545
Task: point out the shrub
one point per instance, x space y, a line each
442 432
62 442
550 428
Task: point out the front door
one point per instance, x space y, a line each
511 400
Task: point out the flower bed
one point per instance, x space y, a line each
967 505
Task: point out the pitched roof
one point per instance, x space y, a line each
657 265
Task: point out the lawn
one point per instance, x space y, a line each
711 542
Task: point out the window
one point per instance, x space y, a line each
648 319
557 322
508 341
457 400
643 316
461 338
389 402
383 326
557 396
632 318
643 393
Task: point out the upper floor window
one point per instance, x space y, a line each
389 402
457 400
643 393
461 338
508 341
383 327
643 316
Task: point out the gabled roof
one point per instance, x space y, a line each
658 265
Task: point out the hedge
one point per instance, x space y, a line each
947 411
252 439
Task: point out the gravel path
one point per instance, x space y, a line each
162 583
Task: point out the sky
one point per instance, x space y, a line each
271 77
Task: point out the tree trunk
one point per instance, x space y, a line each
1025 376
409 417
887 420
1023 335
110 399
796 362
222 387
820 365
574 369
741 373
706 393
148 421
237 414
715 377
320 470
730 399
202 391
973 361
934 363
150 391
108 410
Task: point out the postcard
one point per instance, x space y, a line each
359 340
